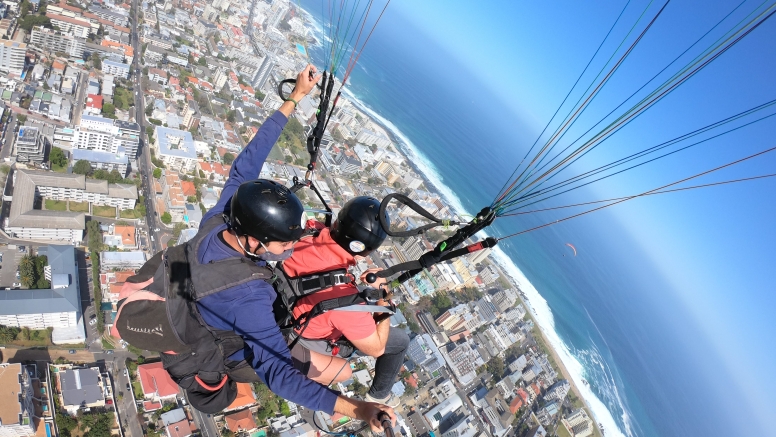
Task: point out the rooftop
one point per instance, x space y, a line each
154 379
67 299
28 134
81 386
240 421
99 156
10 407
175 142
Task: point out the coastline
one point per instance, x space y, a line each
404 146
556 348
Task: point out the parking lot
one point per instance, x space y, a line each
11 258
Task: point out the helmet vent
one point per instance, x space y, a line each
282 201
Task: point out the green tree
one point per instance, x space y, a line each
114 177
358 388
83 167
27 274
166 218
157 173
94 237
24 8
496 367
228 158
176 230
30 21
259 95
57 157
284 409
109 110
202 61
149 110
8 334
96 61
21 119
414 327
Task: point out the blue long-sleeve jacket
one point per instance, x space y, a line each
247 309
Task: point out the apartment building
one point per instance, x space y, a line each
176 149
12 57
54 41
30 145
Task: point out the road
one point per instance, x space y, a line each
10 132
205 423
126 407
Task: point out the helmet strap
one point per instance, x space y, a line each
247 252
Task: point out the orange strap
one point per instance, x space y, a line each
210 387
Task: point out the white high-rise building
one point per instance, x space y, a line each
176 149
12 57
106 135
54 41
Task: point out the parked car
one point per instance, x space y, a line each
109 352
129 388
92 322
71 351
22 249
17 284
157 230
109 402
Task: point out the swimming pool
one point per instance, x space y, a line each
301 49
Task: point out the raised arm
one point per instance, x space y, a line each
248 163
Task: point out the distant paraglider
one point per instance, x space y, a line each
572 248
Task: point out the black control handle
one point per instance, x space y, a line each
284 97
385 421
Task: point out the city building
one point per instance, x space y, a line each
128 137
71 25
173 197
55 41
58 307
122 260
81 388
119 69
111 284
578 423
30 145
176 423
123 237
423 352
19 410
435 415
104 160
368 137
504 300
12 57
106 135
157 385
240 422
246 398
176 149
24 221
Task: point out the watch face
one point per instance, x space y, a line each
357 246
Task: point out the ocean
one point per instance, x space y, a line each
615 324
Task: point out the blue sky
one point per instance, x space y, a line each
713 246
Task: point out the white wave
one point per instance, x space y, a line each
544 318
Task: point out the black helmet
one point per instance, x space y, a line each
267 211
358 229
